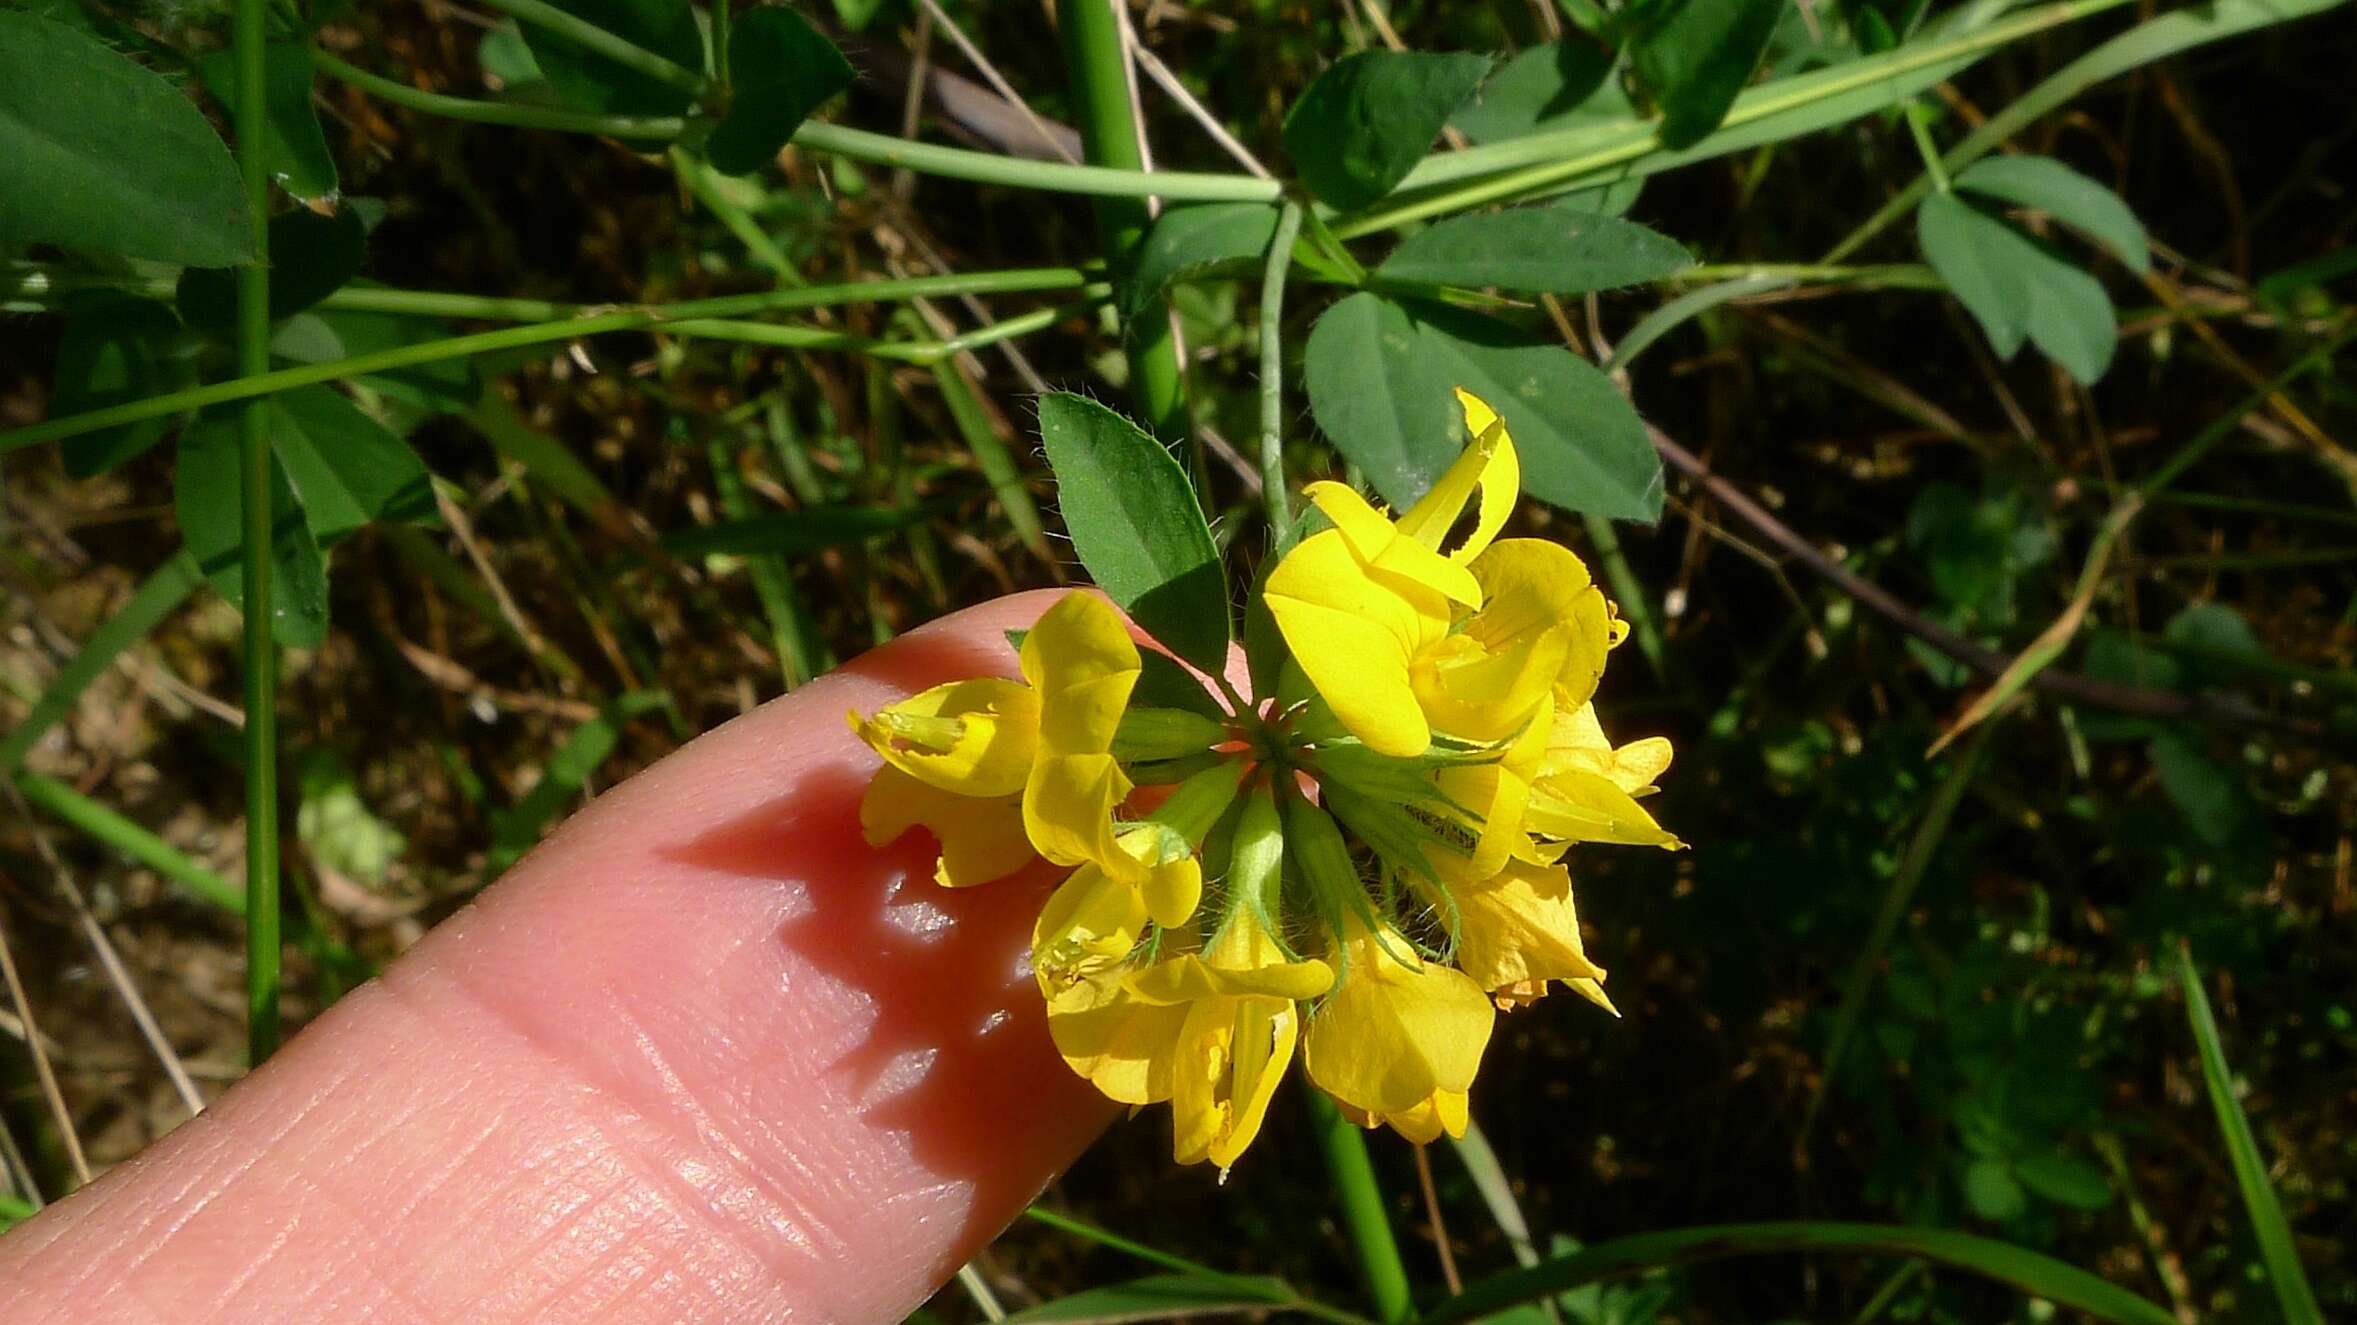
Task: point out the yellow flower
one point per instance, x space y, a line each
1518 930
1083 664
1400 1035
1212 1032
981 839
1446 1111
956 758
973 738
1403 635
1238 1036
1585 789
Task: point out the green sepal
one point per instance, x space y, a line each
1148 734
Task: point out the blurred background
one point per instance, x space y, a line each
1884 985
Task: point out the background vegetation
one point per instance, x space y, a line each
1921 418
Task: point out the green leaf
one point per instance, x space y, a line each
1187 239
207 497
1162 1297
1362 124
1545 87
99 154
2016 288
2066 195
1379 399
116 348
1965 246
1135 522
346 468
2065 1180
2211 638
293 147
2066 1286
2212 798
790 533
311 256
324 335
1696 55
1165 684
585 80
780 70
517 829
1380 373
2268 1225
1536 250
1992 1191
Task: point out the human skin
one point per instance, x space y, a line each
703 1056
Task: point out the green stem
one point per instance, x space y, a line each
563 327
1096 180
991 455
257 475
1930 151
2224 425
723 17
2147 42
1363 1215
498 112
621 50
1540 162
1272 378
1095 61
1630 591
773 579
101 824
430 303
923 353
1878 275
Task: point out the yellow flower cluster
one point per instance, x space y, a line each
1363 866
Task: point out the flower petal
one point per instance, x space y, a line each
981 840
1353 640
1489 467
1126 1048
1392 1034
974 737
1087 928
1519 927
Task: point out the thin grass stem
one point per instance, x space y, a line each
1363 1215
1272 378
257 473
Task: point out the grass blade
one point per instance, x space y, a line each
1162 1297
514 830
158 597
2064 1285
2268 1224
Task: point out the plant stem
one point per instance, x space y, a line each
104 825
1095 60
2147 42
1363 1216
621 50
1912 112
1272 378
474 111
723 17
257 485
561 327
1540 162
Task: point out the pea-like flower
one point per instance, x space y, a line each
1365 865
